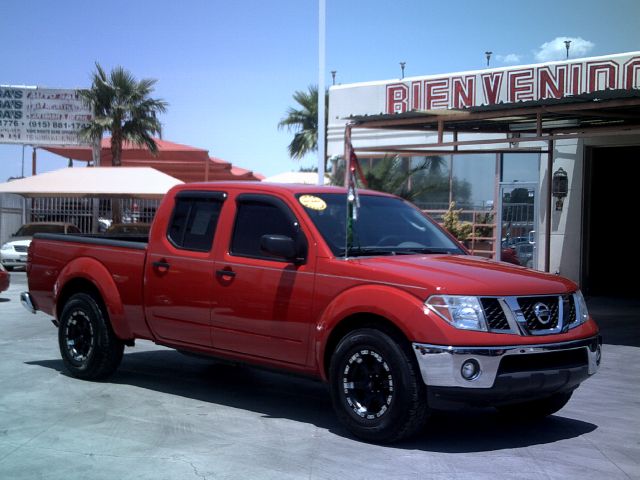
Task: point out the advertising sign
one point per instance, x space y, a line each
486 87
511 85
42 116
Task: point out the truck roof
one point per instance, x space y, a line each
290 188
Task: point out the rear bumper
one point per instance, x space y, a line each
27 302
507 372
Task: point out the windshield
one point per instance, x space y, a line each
384 226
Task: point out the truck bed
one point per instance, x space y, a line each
119 259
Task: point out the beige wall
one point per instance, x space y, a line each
566 225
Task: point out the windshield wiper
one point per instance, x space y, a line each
427 250
365 251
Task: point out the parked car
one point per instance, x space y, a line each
524 252
14 252
508 255
4 279
128 229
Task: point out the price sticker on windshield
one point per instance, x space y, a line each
312 202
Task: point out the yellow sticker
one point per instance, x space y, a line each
313 202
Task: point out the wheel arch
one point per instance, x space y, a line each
87 275
391 310
355 322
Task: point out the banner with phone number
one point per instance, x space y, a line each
42 116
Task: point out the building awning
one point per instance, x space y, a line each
189 164
578 116
122 182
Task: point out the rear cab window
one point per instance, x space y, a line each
194 220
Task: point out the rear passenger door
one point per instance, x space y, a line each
180 269
262 305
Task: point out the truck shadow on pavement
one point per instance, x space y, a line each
305 400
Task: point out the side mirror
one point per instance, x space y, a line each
280 246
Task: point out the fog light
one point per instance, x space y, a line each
470 370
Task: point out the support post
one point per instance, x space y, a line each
549 201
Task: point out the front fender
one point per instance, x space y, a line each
93 271
403 309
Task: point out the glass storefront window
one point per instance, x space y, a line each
432 183
520 167
473 181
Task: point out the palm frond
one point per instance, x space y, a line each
124 108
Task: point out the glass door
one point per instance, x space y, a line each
517 213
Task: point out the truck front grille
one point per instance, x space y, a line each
496 319
535 315
541 313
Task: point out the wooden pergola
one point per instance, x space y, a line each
596 114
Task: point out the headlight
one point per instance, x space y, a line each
7 246
465 313
582 314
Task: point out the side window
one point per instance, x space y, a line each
255 218
194 220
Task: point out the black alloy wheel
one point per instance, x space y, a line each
376 387
79 337
89 347
368 384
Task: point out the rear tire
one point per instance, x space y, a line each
536 408
376 388
90 349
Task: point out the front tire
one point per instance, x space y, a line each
90 349
376 388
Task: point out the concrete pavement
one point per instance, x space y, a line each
167 416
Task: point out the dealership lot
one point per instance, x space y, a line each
165 415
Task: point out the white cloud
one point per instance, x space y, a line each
557 50
509 59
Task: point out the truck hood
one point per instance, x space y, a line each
463 275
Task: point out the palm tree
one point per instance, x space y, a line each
123 107
304 122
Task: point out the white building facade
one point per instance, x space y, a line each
576 117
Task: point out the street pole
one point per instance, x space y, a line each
321 89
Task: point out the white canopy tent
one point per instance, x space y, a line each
84 195
306 178
121 182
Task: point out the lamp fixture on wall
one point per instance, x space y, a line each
560 187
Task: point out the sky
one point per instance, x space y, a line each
228 69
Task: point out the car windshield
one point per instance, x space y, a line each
383 226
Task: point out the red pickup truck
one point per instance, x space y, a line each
385 306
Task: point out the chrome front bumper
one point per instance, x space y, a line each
441 366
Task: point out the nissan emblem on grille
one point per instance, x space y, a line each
542 313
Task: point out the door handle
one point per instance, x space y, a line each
161 265
225 273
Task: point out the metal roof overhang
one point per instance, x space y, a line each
587 115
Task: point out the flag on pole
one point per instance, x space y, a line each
353 171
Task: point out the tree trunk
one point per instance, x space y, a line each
116 148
